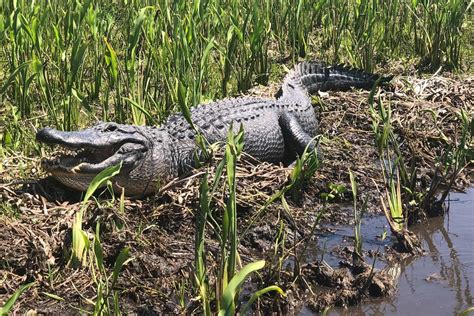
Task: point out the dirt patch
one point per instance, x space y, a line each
36 217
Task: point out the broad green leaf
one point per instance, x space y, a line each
77 59
206 53
111 61
122 259
101 178
135 105
80 241
183 104
466 312
136 29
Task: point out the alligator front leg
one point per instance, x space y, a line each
295 136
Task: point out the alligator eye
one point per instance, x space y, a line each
110 128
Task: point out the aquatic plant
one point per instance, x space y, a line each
358 214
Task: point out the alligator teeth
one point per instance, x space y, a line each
76 168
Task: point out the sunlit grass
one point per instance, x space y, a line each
139 61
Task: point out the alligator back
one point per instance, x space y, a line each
261 118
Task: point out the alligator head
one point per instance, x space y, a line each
142 151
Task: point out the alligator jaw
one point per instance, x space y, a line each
90 150
88 161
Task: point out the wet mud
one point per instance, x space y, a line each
439 282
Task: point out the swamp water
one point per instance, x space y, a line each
441 282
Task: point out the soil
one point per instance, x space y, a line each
36 216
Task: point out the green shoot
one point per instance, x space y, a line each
6 308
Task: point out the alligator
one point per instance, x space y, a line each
275 130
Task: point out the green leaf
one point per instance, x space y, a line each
205 55
11 301
183 104
136 30
101 178
80 241
122 259
200 254
111 61
135 105
77 58
259 293
466 312
99 254
227 299
13 75
353 185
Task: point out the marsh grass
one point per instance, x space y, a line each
68 63
454 159
403 201
400 174
395 176
392 163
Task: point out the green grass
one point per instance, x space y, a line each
68 63
8 305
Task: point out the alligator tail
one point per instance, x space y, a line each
317 76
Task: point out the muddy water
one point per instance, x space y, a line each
439 283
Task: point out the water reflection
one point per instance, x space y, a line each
439 282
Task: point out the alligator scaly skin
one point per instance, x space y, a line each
275 130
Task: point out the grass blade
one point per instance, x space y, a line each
12 300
